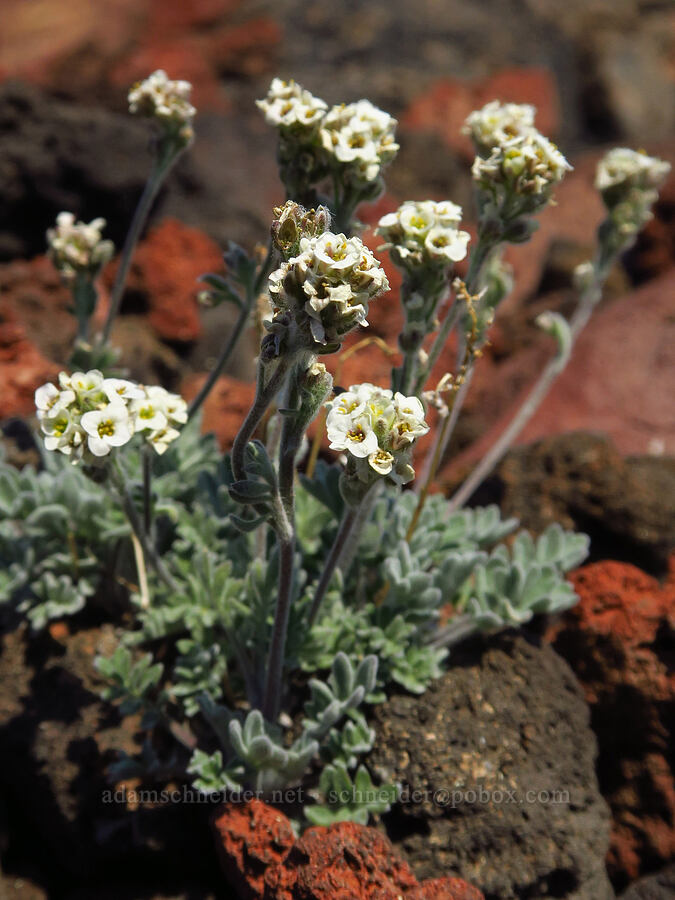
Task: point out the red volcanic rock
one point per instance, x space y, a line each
619 640
444 889
197 40
620 380
251 838
225 407
22 368
444 105
164 272
263 861
343 862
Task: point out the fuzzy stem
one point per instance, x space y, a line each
533 401
221 362
344 529
265 394
457 630
160 170
437 346
147 491
285 527
137 526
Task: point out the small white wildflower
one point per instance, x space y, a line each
289 105
107 428
78 247
328 286
119 388
496 123
359 136
377 426
528 165
87 415
420 233
166 101
632 168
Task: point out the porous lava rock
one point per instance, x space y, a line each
345 861
660 886
22 367
250 838
620 641
497 767
625 504
163 278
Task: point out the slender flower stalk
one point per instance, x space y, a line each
346 525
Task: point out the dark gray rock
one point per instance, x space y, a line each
653 887
502 754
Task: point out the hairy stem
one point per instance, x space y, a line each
221 362
136 524
344 529
266 391
531 404
155 180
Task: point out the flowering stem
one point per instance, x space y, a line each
284 524
555 366
84 303
136 524
345 527
147 491
159 171
221 362
239 326
265 394
437 346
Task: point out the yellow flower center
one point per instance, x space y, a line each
356 435
106 429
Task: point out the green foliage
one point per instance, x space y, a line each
345 800
134 683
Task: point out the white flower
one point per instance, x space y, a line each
147 415
119 388
375 425
529 165
165 100
87 415
632 168
446 243
49 399
107 428
360 136
328 286
289 105
161 439
76 247
419 233
497 123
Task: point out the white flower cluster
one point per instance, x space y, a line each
165 100
356 138
329 283
628 169
88 415
360 136
76 247
376 425
496 123
528 164
288 105
425 232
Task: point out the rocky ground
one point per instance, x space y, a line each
600 74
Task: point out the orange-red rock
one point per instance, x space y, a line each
164 273
250 838
225 407
445 104
263 861
619 640
22 368
110 48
